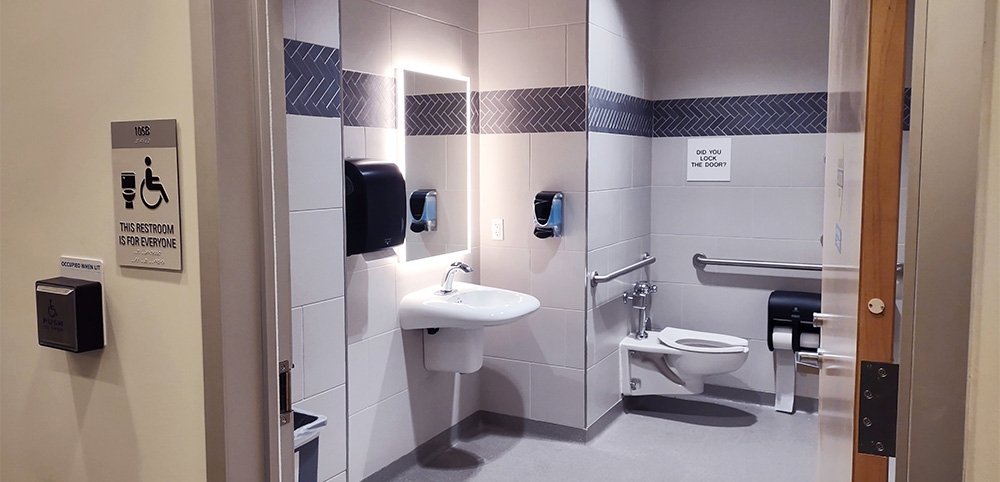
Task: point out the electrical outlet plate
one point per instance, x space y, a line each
496 231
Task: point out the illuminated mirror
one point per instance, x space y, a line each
434 151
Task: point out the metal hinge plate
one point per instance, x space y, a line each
285 391
879 393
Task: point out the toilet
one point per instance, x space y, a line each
675 361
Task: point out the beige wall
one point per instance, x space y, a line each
982 437
135 410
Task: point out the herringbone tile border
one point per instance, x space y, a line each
369 100
547 109
312 79
435 114
803 113
618 113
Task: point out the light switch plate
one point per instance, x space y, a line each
496 233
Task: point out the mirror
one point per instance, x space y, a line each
435 162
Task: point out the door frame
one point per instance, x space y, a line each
950 62
243 235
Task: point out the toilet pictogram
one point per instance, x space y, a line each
151 183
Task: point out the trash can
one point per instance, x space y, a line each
307 427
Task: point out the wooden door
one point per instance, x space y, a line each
864 125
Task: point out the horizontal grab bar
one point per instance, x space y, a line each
596 278
702 260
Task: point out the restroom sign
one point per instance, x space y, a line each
147 230
709 159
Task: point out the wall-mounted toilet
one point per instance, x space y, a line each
676 361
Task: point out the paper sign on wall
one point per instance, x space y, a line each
146 194
709 159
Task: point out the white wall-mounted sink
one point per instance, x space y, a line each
470 306
453 323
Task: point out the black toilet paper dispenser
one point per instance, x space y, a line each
793 310
423 210
375 205
548 214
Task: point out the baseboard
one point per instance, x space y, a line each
802 404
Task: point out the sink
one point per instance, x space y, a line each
453 323
470 306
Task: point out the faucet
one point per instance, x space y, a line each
640 291
450 276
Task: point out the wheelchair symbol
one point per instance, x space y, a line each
52 310
152 183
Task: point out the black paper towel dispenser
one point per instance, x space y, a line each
794 310
375 205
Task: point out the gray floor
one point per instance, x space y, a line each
664 439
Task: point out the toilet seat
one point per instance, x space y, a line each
702 342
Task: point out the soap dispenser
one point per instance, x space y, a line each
548 214
423 210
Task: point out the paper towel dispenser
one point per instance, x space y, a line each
793 310
375 205
70 314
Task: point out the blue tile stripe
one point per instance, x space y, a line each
435 114
618 113
548 109
369 100
312 79
803 113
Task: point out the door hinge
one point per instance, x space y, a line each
285 391
879 393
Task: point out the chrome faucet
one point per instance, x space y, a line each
450 276
640 291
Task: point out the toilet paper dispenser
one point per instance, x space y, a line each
791 313
548 211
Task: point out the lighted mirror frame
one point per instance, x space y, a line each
401 158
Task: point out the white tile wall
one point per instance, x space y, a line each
366 37
603 387
317 262
315 171
500 15
557 12
557 395
771 46
523 58
317 21
324 356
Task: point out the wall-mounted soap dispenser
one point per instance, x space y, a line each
423 210
375 205
548 214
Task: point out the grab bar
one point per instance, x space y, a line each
702 260
596 278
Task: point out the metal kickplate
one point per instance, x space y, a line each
877 408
